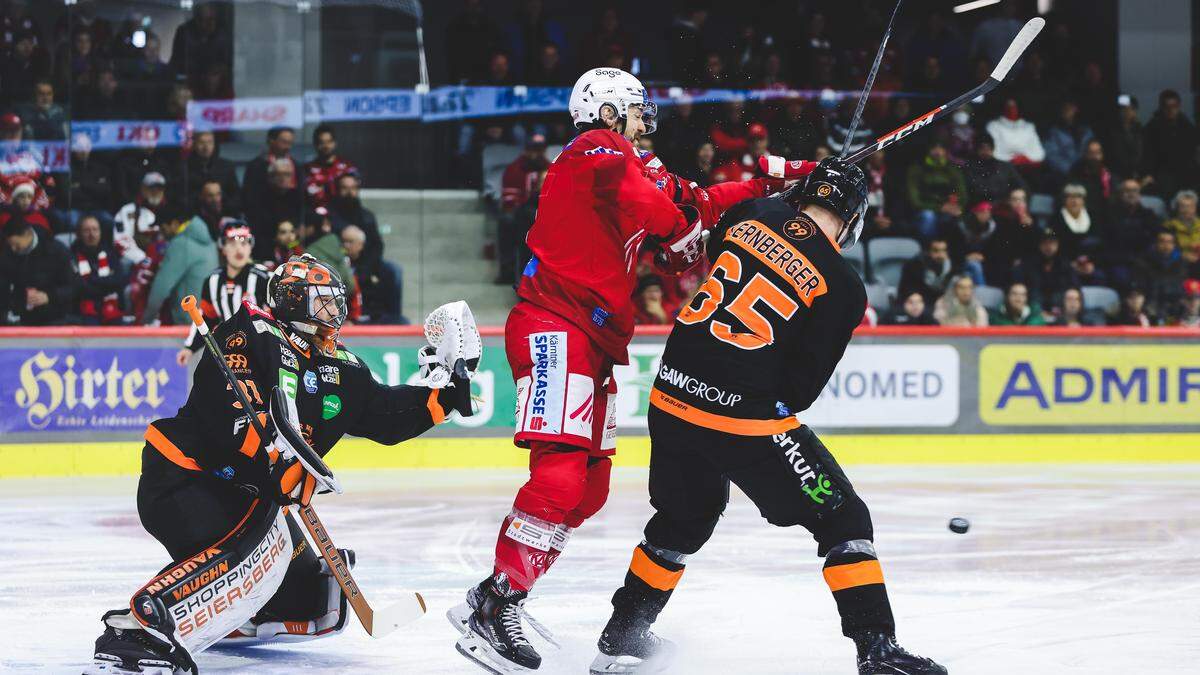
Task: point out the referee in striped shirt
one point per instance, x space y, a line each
240 278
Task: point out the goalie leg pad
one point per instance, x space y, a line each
200 599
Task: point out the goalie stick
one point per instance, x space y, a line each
376 623
1011 55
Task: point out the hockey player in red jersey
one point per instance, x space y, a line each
573 322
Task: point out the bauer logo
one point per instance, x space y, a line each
87 389
1049 385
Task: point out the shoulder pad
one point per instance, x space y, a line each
267 325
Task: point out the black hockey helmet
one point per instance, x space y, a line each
310 296
840 187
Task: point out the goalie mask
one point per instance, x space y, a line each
308 295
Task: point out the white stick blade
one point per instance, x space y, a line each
1018 46
387 619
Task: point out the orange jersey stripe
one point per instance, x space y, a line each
729 425
841 577
648 571
159 442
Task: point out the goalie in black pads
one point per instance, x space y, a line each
753 349
216 495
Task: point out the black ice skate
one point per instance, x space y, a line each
127 647
459 615
631 647
495 639
878 654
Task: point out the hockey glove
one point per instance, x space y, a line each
684 248
450 359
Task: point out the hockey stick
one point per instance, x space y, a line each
377 624
870 83
1014 52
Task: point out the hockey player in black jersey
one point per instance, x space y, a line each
238 278
746 358
210 486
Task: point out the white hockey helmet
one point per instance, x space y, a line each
612 86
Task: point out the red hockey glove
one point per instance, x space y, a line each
789 170
684 248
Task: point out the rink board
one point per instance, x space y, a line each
77 401
124 458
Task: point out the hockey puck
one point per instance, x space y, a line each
959 525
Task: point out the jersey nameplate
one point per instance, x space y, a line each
783 258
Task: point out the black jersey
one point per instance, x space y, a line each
222 295
335 395
766 329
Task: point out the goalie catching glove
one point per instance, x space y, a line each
450 359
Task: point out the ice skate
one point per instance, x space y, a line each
127 647
632 652
495 638
460 614
878 654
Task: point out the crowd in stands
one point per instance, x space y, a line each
122 235
1051 186
1018 204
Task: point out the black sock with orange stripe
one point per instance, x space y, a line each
856 580
652 577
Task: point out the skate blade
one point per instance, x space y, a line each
479 652
458 616
111 665
604 664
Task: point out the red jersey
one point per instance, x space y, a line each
597 206
320 179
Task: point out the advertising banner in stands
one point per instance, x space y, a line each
82 388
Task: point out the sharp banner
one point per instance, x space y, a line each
85 388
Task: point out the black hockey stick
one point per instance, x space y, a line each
870 83
376 623
1014 52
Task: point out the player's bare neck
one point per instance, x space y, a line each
825 219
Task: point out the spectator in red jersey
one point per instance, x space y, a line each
879 198
321 174
745 167
648 303
103 275
517 186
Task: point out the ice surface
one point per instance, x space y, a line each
1066 569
